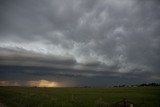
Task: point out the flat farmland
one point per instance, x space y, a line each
78 97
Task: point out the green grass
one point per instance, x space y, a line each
77 97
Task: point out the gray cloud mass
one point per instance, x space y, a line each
89 42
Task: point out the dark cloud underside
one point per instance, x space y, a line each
88 42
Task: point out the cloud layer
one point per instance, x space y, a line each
101 40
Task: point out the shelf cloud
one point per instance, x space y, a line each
85 42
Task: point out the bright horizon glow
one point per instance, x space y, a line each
43 83
32 83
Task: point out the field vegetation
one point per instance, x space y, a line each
78 97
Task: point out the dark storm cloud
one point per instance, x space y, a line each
84 38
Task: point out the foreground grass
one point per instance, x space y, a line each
77 97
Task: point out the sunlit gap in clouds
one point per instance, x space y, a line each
32 83
43 83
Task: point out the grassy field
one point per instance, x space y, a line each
77 97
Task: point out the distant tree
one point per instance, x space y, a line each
149 84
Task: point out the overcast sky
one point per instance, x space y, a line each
79 42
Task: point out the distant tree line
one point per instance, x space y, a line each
124 85
150 84
139 85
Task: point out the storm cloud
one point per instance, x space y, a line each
86 42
